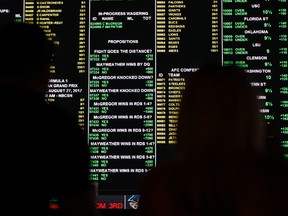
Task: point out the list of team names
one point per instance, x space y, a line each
255 38
121 91
170 22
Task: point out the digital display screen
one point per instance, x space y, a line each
120 68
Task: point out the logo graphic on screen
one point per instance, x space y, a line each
133 201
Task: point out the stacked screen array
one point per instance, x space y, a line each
120 68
